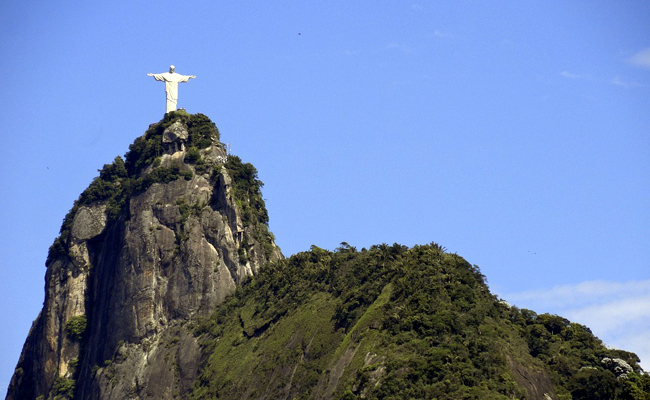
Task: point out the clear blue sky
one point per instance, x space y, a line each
516 134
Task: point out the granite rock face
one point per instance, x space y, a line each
124 286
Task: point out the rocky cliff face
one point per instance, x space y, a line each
154 242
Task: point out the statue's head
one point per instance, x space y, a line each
171 69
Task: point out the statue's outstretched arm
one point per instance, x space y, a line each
158 77
185 78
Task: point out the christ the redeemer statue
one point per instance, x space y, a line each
171 80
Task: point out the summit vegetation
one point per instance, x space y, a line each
392 322
123 178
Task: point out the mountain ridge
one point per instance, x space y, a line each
393 322
165 282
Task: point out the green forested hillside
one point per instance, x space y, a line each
391 322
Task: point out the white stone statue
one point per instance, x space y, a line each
171 80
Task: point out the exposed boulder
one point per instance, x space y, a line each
89 222
175 136
618 366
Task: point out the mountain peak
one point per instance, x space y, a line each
158 238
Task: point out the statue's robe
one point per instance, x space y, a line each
171 87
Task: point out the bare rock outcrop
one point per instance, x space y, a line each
618 366
537 384
150 246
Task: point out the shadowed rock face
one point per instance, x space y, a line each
537 383
133 282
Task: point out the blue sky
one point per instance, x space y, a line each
513 133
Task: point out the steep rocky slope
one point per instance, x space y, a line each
154 242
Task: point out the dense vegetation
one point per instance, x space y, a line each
76 327
123 178
394 323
